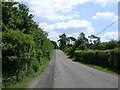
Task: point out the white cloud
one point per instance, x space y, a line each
22 0
109 36
54 9
72 27
77 12
104 3
75 15
31 13
105 15
58 9
53 35
80 1
97 1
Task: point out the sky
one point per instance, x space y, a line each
75 16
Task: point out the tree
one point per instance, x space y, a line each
62 41
94 37
72 40
80 44
55 44
111 45
82 35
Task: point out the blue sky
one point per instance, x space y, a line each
75 16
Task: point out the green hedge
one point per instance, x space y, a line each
105 58
25 46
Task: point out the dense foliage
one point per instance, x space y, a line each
65 42
105 58
55 44
62 41
25 46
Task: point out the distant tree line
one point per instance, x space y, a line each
83 43
55 44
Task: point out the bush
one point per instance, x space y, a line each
25 46
105 58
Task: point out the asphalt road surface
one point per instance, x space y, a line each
64 73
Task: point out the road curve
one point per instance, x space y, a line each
64 73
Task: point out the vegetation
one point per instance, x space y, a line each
104 58
26 48
62 41
55 44
94 53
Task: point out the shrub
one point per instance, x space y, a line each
105 58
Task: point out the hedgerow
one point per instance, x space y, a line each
25 46
104 58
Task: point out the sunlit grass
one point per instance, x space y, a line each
99 68
95 66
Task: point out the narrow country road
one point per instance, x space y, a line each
64 73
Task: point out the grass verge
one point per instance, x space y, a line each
95 66
99 68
